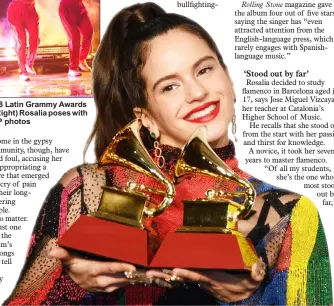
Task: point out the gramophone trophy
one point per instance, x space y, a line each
115 231
209 238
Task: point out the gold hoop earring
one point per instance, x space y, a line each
234 126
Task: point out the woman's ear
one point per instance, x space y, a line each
147 121
142 114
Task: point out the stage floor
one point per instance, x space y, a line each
46 85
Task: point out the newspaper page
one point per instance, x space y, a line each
279 55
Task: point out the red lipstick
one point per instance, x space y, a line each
205 118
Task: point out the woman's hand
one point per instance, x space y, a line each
222 285
92 275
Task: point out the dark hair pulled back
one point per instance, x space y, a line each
118 86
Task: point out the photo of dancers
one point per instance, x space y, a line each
47 47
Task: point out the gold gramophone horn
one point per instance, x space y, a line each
197 157
128 150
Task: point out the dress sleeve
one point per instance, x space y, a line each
302 274
41 276
295 251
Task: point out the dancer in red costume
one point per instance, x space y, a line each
22 17
76 22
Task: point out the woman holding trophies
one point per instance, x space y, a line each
166 70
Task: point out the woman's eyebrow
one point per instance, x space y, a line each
167 77
203 59
174 75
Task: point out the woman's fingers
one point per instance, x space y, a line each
158 273
231 282
105 281
221 284
58 253
258 270
191 275
165 274
112 267
109 276
92 275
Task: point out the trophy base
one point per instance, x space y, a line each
110 240
205 251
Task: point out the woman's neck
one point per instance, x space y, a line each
220 143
